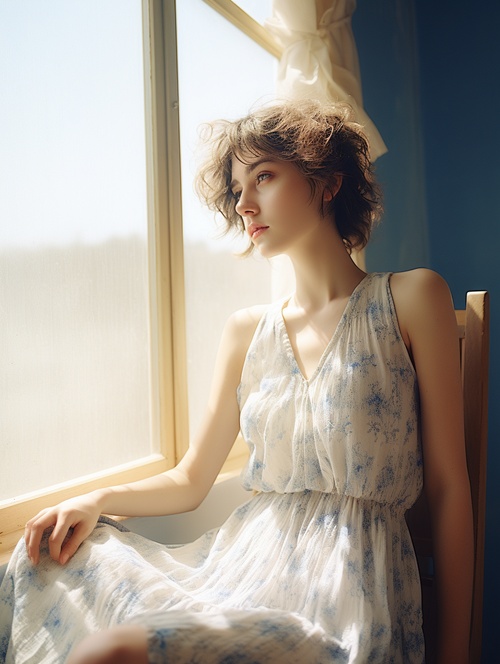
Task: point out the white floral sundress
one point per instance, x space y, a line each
317 567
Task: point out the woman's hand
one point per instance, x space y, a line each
80 514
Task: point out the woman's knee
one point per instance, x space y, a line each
125 644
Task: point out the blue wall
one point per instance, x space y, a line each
431 73
387 44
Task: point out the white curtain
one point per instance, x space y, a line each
320 58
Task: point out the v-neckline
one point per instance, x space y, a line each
333 338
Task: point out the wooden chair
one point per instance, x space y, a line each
473 325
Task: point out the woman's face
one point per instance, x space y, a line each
279 211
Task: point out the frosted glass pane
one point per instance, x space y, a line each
74 333
222 74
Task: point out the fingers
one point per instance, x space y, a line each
58 537
61 546
71 545
71 521
33 533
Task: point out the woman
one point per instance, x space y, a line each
344 392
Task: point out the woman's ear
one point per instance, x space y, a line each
332 189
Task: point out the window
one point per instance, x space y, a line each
100 337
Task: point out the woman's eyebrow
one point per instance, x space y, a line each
251 167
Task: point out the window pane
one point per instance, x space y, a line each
222 74
74 367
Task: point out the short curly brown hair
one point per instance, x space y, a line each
321 140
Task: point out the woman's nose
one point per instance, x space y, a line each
246 205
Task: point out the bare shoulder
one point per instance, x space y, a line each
423 301
244 322
420 283
240 329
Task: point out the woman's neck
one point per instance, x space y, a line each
324 273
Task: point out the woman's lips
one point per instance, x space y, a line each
255 231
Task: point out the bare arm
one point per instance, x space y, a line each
427 320
180 489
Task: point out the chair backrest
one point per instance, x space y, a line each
473 326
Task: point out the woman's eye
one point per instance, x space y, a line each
236 195
263 176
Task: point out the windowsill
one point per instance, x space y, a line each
10 543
